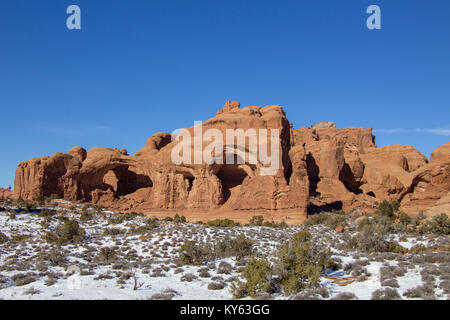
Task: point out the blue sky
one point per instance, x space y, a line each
139 67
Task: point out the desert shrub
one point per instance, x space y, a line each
307 295
104 276
165 268
369 240
322 257
56 258
298 267
439 224
86 216
122 217
345 296
388 209
179 219
67 232
241 246
178 270
356 264
256 221
145 229
113 231
357 268
330 220
445 286
379 224
418 248
417 220
52 278
278 225
3 238
432 271
28 207
47 213
387 272
40 200
385 294
22 279
53 197
404 218
19 201
106 255
158 272
194 253
224 223
151 223
131 215
257 275
224 268
216 285
20 237
425 291
323 291
32 291
99 209
203 273
123 277
189 277
393 283
167 294
161 296
4 281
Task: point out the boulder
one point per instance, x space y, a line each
339 229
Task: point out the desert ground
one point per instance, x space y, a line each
62 250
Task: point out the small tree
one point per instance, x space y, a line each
256 221
193 253
65 233
388 209
137 284
298 267
440 224
258 275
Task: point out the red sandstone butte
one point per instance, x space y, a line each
321 168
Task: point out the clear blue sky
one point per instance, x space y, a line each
139 67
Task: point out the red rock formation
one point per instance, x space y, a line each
430 186
320 167
6 193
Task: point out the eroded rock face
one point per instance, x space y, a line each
320 167
430 187
151 181
6 193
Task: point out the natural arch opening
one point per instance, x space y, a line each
110 180
189 182
123 181
313 174
347 177
231 177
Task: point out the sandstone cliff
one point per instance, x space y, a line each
320 167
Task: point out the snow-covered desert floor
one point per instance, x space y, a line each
137 257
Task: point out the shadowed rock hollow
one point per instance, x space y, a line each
320 168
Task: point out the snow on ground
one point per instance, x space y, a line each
30 268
